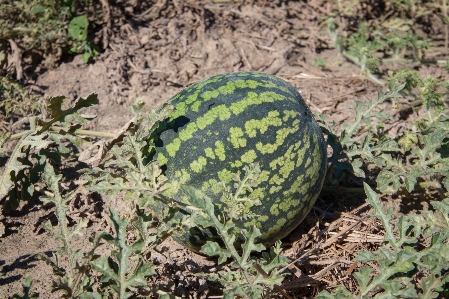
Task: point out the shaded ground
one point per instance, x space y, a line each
155 51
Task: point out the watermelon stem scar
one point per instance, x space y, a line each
228 122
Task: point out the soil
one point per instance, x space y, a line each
151 52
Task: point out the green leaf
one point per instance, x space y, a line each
26 285
388 182
212 249
60 115
363 276
429 284
86 56
78 28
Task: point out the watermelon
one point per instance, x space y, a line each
228 121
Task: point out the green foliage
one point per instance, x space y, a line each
26 285
126 169
415 157
74 278
118 274
42 25
13 98
44 142
320 62
78 32
404 270
248 277
370 48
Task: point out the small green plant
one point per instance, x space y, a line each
26 285
78 32
370 48
15 99
321 63
413 158
249 277
44 142
402 269
118 275
75 279
43 24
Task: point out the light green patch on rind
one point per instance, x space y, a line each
308 161
303 149
162 159
286 204
209 153
249 156
219 112
252 125
290 114
220 150
275 228
198 164
313 171
196 106
236 164
173 147
215 187
180 110
181 177
227 89
275 179
274 209
192 98
274 189
210 94
281 137
257 222
298 186
291 214
252 98
188 132
263 176
236 137
259 192
205 186
225 175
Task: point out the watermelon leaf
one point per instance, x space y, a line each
397 258
248 275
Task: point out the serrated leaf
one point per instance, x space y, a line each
213 249
59 115
373 199
339 293
428 285
388 182
138 278
250 244
26 285
363 276
101 265
365 256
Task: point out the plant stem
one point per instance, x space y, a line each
229 246
367 72
78 132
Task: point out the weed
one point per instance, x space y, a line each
42 25
15 99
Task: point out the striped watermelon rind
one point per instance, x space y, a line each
228 121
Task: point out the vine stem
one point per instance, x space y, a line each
231 248
78 132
